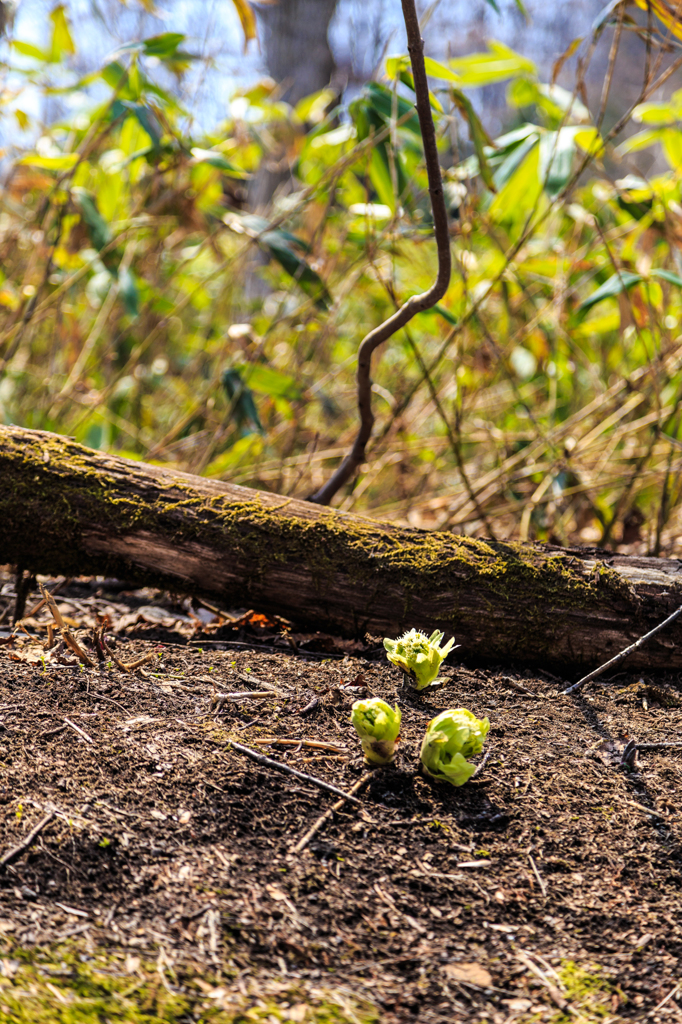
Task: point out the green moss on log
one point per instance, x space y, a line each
58 487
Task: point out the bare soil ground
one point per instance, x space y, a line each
164 886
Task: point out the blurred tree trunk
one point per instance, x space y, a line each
297 51
298 57
68 509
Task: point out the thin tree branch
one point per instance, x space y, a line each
529 228
417 303
623 654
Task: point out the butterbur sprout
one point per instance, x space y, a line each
419 655
450 738
378 726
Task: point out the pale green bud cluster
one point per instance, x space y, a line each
378 726
419 655
450 738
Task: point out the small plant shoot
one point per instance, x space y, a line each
419 656
378 726
450 738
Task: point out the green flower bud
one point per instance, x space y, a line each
419 655
378 726
450 738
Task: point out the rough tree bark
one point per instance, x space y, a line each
67 509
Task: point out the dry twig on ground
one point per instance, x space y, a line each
267 762
26 842
312 832
67 635
623 654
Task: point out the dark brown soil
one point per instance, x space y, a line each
557 871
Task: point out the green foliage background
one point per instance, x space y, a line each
145 309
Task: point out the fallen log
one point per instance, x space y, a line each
68 509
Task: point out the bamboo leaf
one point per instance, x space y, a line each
667 275
163 46
380 177
61 44
380 101
639 141
566 55
216 159
672 147
564 101
522 188
616 284
498 65
127 289
98 229
478 135
516 155
437 70
655 113
29 50
669 15
397 66
589 140
557 150
604 16
64 162
143 115
113 73
280 247
241 400
248 20
265 380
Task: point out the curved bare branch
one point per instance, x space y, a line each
417 303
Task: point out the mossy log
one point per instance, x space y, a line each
68 509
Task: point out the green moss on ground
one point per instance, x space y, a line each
69 986
592 997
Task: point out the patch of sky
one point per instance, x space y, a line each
361 34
